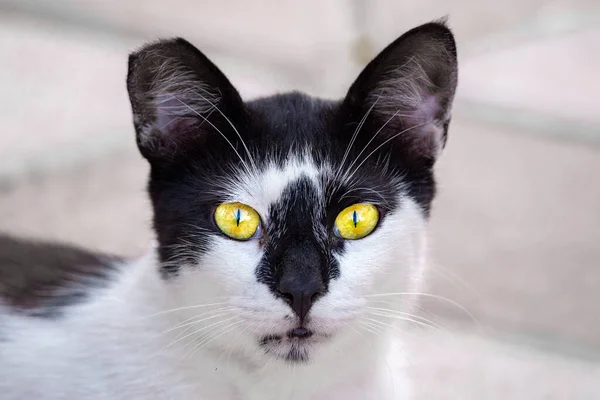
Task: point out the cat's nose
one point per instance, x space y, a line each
301 295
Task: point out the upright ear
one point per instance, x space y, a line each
408 90
178 97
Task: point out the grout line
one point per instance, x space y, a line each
68 21
546 342
15 169
530 29
550 344
530 122
66 17
535 29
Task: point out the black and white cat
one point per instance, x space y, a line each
291 234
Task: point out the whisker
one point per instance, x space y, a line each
205 342
352 327
232 126
373 137
394 344
370 328
394 313
229 348
453 278
184 308
354 136
199 330
403 318
217 129
434 296
381 145
196 320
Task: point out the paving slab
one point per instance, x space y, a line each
554 76
468 367
516 229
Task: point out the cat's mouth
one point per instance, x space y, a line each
293 346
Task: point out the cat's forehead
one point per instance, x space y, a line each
265 185
291 122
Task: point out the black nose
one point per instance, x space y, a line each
301 295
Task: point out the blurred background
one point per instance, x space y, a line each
516 226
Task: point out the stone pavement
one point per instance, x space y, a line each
515 228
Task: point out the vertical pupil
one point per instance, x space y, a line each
237 217
354 218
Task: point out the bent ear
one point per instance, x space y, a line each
177 96
408 90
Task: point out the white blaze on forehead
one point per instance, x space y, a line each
261 188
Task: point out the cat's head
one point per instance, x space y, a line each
289 213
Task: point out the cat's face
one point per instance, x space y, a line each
290 214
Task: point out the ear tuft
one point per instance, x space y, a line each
410 86
174 89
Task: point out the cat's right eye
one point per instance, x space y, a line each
238 221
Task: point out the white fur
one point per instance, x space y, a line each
130 342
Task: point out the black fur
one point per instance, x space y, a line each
199 149
40 278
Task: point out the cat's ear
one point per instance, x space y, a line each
178 96
408 89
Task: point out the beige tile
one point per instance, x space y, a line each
555 76
59 88
516 229
296 36
478 25
101 205
466 366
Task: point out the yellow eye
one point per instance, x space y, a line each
237 220
356 221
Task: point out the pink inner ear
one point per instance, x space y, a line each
421 122
427 110
173 116
431 134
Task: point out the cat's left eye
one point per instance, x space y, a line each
356 221
238 221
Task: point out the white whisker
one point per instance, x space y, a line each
184 308
196 320
203 343
232 126
218 131
353 138
200 330
386 312
442 298
381 145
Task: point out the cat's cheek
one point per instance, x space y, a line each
386 263
232 263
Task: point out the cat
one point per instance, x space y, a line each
290 239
